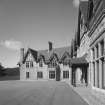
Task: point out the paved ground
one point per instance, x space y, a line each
91 96
38 93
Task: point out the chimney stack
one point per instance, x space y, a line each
50 46
21 54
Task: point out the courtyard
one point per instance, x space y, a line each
38 93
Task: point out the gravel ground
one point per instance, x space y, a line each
38 93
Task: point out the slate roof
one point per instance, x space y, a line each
47 54
58 51
33 52
79 61
84 9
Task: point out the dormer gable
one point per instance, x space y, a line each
65 58
53 60
31 55
54 57
65 55
41 60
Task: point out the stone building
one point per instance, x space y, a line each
97 43
92 40
51 64
79 61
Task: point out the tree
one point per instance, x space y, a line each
1 70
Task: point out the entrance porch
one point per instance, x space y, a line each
79 71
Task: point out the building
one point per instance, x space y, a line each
97 43
92 40
51 64
79 61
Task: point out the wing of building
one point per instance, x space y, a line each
90 39
81 63
51 64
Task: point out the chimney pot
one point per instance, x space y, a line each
50 46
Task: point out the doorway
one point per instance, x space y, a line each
58 72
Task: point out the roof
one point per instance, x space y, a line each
84 9
33 52
47 54
58 51
79 61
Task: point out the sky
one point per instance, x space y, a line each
32 23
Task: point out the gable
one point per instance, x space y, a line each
54 58
65 56
41 58
29 57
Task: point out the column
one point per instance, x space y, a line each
92 73
100 66
91 69
100 73
89 74
95 68
104 66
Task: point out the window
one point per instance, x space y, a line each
27 74
97 52
52 74
31 64
65 74
102 48
39 75
91 6
93 53
41 63
27 64
52 65
49 65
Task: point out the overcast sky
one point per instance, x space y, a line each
32 23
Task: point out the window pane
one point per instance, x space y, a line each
31 64
27 64
51 74
65 74
102 48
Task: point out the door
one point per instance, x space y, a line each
58 72
27 75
